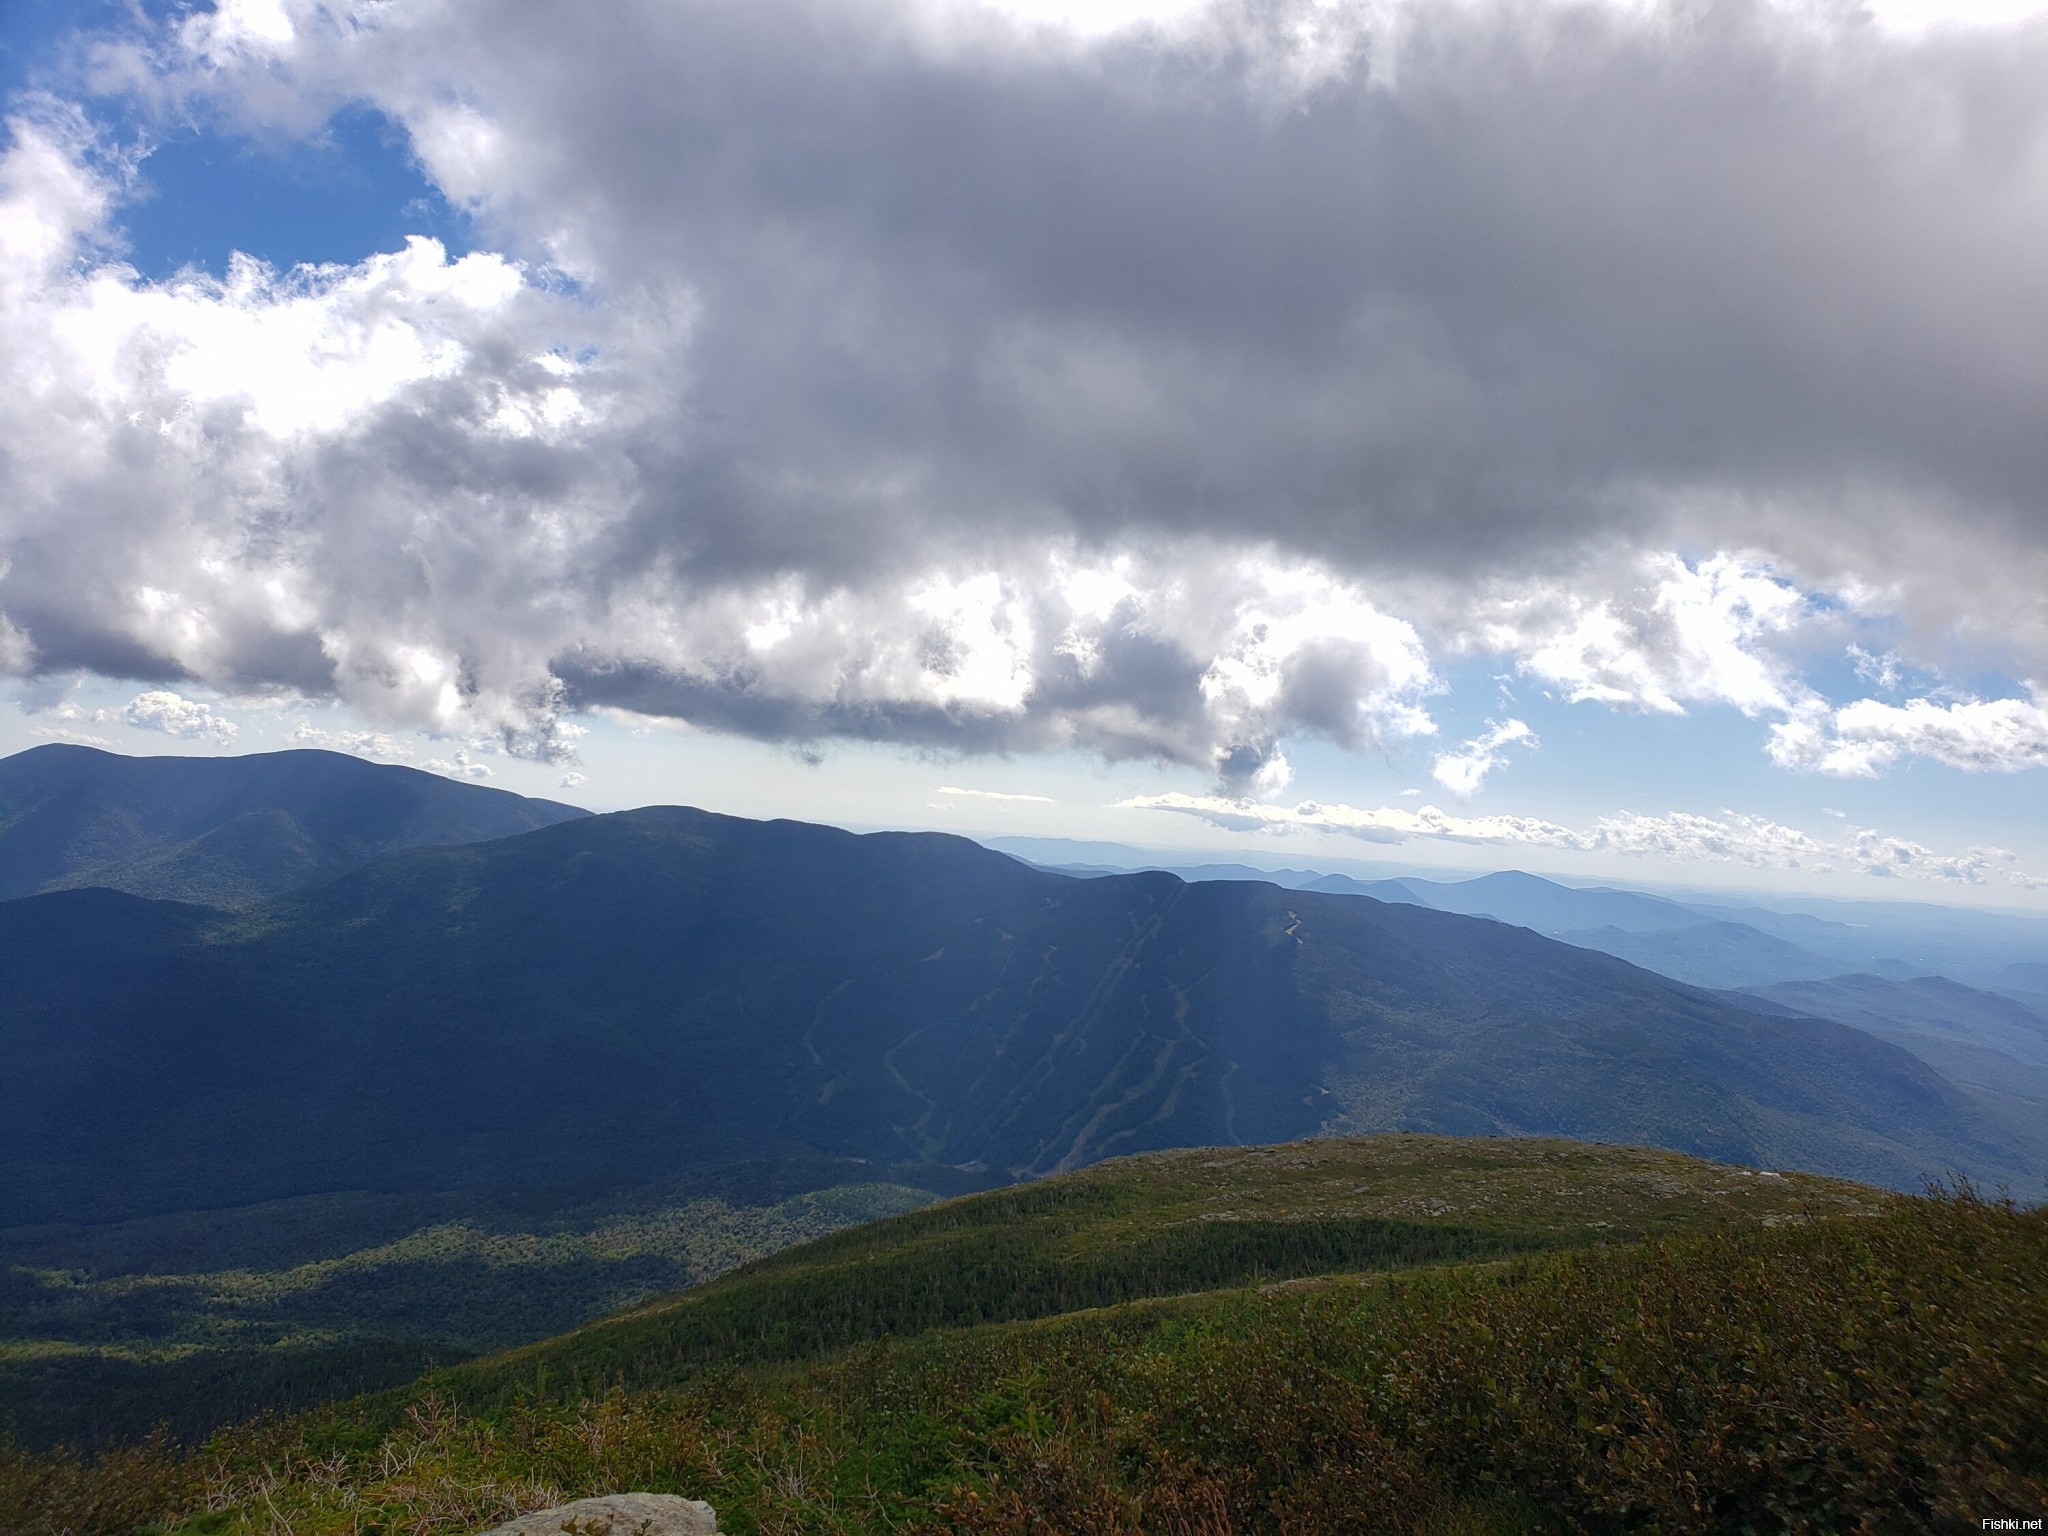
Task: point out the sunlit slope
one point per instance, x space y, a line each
1790 1354
1166 1224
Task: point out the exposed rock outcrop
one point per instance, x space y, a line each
617 1514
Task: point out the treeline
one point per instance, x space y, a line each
93 1400
943 1271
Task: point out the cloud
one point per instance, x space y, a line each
1463 771
573 781
376 745
1729 837
175 715
1887 857
994 794
1686 634
460 766
1862 738
912 374
64 733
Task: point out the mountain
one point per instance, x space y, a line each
1977 1038
1709 954
1528 901
225 831
620 998
1663 936
1899 939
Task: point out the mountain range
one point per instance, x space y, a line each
1703 939
228 831
619 998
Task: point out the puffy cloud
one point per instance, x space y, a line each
175 715
1730 837
460 766
906 373
1209 659
1676 634
1463 771
1860 739
379 746
1877 854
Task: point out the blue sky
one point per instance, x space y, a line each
721 436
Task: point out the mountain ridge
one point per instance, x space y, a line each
229 831
626 996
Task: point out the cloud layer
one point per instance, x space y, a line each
909 373
1730 837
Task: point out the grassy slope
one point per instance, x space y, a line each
1162 1224
1767 1355
1709 1340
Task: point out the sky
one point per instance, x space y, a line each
1595 437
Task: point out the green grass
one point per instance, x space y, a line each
1159 1225
1716 1352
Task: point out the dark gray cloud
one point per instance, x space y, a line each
1506 277
1311 315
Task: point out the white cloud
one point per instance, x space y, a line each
1681 633
460 766
1124 436
379 746
994 794
1462 772
1888 857
573 781
1862 738
1729 837
175 715
64 733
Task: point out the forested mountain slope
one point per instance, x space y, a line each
224 831
620 998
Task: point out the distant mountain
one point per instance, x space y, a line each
619 998
1977 1038
1709 954
1658 935
1528 901
226 831
1900 939
2027 981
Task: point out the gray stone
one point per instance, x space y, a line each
618 1514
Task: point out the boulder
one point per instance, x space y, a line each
617 1514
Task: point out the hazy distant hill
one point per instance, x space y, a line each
224 831
621 997
1978 1038
1528 901
1710 954
1663 936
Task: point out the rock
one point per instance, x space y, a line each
618 1514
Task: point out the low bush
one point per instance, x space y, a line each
1887 1374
